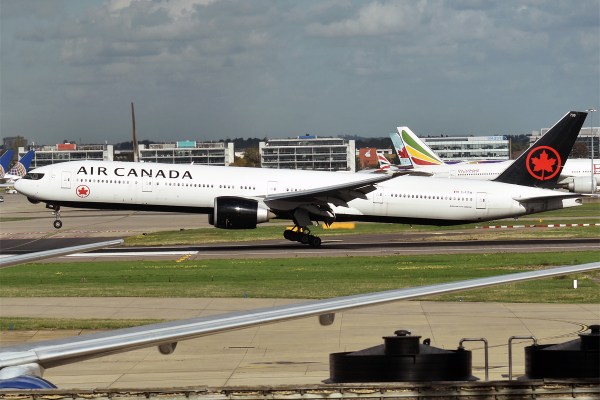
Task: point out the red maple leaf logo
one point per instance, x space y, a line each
543 163
82 191
544 166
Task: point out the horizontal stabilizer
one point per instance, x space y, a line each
558 195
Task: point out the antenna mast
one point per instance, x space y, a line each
136 156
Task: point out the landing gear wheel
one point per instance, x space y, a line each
58 224
302 235
290 235
314 241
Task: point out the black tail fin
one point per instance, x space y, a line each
541 164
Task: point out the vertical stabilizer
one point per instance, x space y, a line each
541 164
384 163
5 162
419 152
400 149
22 166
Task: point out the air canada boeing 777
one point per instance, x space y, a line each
241 198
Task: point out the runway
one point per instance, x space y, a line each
363 245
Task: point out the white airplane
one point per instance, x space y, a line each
241 198
575 176
22 366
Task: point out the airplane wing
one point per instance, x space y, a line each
32 358
10 261
337 194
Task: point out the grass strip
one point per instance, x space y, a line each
306 278
30 324
270 232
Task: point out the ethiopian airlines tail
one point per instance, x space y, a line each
5 162
543 162
408 145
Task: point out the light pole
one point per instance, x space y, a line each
590 111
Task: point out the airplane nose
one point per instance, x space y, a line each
23 187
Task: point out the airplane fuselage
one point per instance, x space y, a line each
194 188
580 168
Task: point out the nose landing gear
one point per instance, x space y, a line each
57 222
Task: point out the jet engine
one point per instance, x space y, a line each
238 213
582 184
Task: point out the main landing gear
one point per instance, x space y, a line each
302 219
57 222
303 236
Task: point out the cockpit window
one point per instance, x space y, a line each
33 176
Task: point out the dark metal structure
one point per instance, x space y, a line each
575 359
401 359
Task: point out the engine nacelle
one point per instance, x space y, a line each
582 184
238 213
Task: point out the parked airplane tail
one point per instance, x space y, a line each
419 152
22 166
384 163
542 163
5 162
400 149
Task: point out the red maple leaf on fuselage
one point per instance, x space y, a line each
83 191
543 163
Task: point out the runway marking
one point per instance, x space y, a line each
184 258
136 253
538 226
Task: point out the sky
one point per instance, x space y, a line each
218 69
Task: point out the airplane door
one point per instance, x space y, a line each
378 195
481 200
271 187
146 184
66 180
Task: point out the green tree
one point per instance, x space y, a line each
251 158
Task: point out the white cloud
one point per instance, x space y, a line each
374 19
341 66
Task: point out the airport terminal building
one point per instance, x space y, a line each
309 152
188 152
588 137
182 152
46 155
468 148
